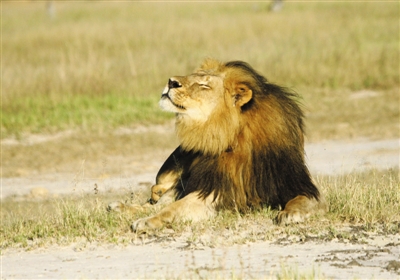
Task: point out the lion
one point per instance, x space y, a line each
241 148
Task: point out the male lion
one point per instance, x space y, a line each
241 148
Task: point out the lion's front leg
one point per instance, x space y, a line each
189 208
161 192
300 208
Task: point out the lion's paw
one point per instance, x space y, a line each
157 191
139 226
116 206
146 224
289 217
120 207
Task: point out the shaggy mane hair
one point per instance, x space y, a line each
250 157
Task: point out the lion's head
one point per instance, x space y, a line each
198 95
217 105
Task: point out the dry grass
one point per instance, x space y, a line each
61 221
367 201
371 197
343 114
103 154
101 65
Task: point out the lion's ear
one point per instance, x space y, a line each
242 95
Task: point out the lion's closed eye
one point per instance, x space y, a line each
204 86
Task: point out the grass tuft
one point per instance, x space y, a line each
370 197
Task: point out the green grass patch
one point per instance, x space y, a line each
93 113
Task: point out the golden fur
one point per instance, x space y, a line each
241 147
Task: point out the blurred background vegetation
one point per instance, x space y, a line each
101 65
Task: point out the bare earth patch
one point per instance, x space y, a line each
377 258
373 256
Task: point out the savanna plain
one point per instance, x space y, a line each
81 127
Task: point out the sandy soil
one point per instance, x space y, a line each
375 257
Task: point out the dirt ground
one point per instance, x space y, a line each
378 258
375 257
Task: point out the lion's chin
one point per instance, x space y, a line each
167 104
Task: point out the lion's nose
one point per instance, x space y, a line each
174 83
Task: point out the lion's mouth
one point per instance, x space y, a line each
165 95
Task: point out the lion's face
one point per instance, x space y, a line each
213 87
195 96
